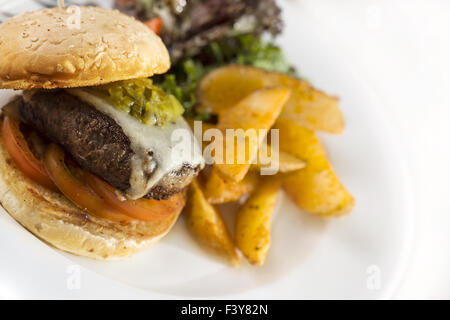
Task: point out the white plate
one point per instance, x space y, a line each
360 256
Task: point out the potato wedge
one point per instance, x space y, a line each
224 87
207 225
256 112
308 107
311 108
253 221
316 188
286 161
220 190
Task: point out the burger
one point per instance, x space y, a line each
88 162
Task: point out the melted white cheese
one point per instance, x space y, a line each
157 150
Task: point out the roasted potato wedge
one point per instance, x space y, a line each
224 87
308 107
220 190
253 221
316 188
311 108
207 225
258 111
286 161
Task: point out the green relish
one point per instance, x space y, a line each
142 100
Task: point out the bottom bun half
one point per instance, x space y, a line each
57 221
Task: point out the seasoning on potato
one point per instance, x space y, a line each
253 221
258 111
307 106
207 225
220 190
286 161
316 188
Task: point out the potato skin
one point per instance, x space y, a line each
207 225
316 188
257 111
219 190
253 221
307 106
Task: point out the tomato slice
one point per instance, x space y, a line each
142 209
75 190
155 24
20 152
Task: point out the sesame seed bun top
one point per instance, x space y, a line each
77 47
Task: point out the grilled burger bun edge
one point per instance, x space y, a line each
52 48
57 221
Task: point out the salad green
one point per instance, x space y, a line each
183 78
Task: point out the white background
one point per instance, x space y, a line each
403 48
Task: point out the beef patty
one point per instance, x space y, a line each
95 140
